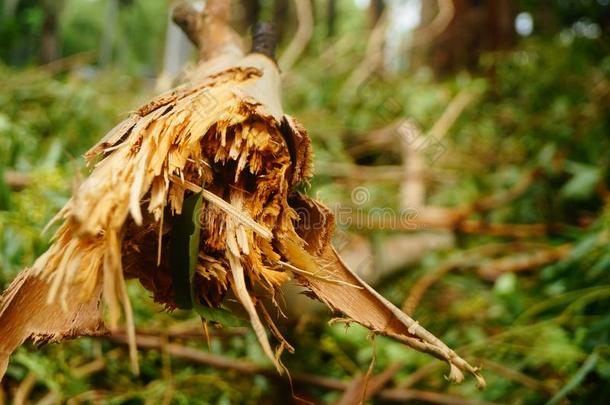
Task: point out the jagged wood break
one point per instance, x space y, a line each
219 148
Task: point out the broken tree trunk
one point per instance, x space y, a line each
193 195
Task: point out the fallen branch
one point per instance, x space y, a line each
387 136
425 218
431 217
413 186
186 332
402 395
474 257
418 375
247 368
519 263
17 180
519 377
360 390
446 219
424 283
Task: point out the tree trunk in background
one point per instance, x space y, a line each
375 10
501 24
176 54
250 13
284 18
545 19
478 26
49 41
107 46
331 17
10 8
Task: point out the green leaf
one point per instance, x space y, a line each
184 256
577 379
42 367
583 182
195 236
218 315
184 250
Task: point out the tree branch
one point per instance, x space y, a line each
189 20
359 391
209 30
302 36
490 270
16 180
425 35
247 368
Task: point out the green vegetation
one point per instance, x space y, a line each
542 334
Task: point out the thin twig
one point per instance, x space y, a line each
302 36
353 393
403 396
424 283
377 138
24 389
450 115
518 377
503 198
474 257
90 368
372 59
425 35
17 180
52 398
523 262
187 330
462 259
419 375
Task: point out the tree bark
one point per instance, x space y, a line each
477 27
375 10
250 13
49 42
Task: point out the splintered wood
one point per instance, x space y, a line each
224 138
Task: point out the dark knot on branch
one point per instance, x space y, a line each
263 39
